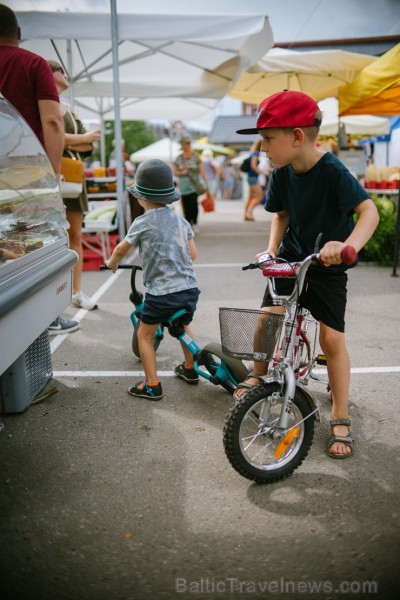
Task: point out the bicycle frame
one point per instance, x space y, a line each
302 365
221 371
224 371
136 297
297 319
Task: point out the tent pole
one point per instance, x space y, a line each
117 121
396 239
103 134
70 71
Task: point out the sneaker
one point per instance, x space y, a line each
81 300
61 325
188 375
151 392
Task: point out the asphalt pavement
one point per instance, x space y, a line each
108 497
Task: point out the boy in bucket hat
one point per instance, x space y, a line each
312 192
167 249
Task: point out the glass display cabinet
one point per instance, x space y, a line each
35 262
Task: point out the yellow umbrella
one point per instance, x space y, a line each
376 90
203 144
317 73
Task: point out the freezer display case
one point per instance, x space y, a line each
35 262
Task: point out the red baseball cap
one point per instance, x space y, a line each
286 109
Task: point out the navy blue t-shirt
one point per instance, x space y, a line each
320 200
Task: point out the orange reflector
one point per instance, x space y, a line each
286 441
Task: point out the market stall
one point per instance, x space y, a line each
35 262
376 90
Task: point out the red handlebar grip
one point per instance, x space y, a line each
349 255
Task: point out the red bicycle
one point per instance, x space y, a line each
269 430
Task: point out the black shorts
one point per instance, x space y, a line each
324 295
158 309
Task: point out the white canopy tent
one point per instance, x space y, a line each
144 109
168 149
165 149
153 50
172 50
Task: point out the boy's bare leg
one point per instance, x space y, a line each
186 353
338 364
147 353
261 368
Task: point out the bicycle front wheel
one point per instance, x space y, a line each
212 356
249 441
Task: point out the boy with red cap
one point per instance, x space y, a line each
312 192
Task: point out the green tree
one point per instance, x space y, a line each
137 135
380 248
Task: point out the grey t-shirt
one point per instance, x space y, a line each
162 238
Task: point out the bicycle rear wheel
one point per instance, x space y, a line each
212 356
248 435
135 343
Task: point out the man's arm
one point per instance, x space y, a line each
53 132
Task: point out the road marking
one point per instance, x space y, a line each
366 370
58 340
356 371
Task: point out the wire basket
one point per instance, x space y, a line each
250 334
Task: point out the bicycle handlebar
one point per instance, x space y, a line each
348 256
136 267
135 296
296 270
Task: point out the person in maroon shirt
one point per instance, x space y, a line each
27 82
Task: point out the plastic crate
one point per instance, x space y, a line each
92 261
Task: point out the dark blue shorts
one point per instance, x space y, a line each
324 295
158 309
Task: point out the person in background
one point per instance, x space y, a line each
311 191
256 192
188 168
229 178
212 171
26 81
129 167
263 179
167 249
78 144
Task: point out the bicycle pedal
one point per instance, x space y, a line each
321 359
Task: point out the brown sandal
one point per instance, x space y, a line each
348 440
248 386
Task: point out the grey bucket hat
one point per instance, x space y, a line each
154 181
